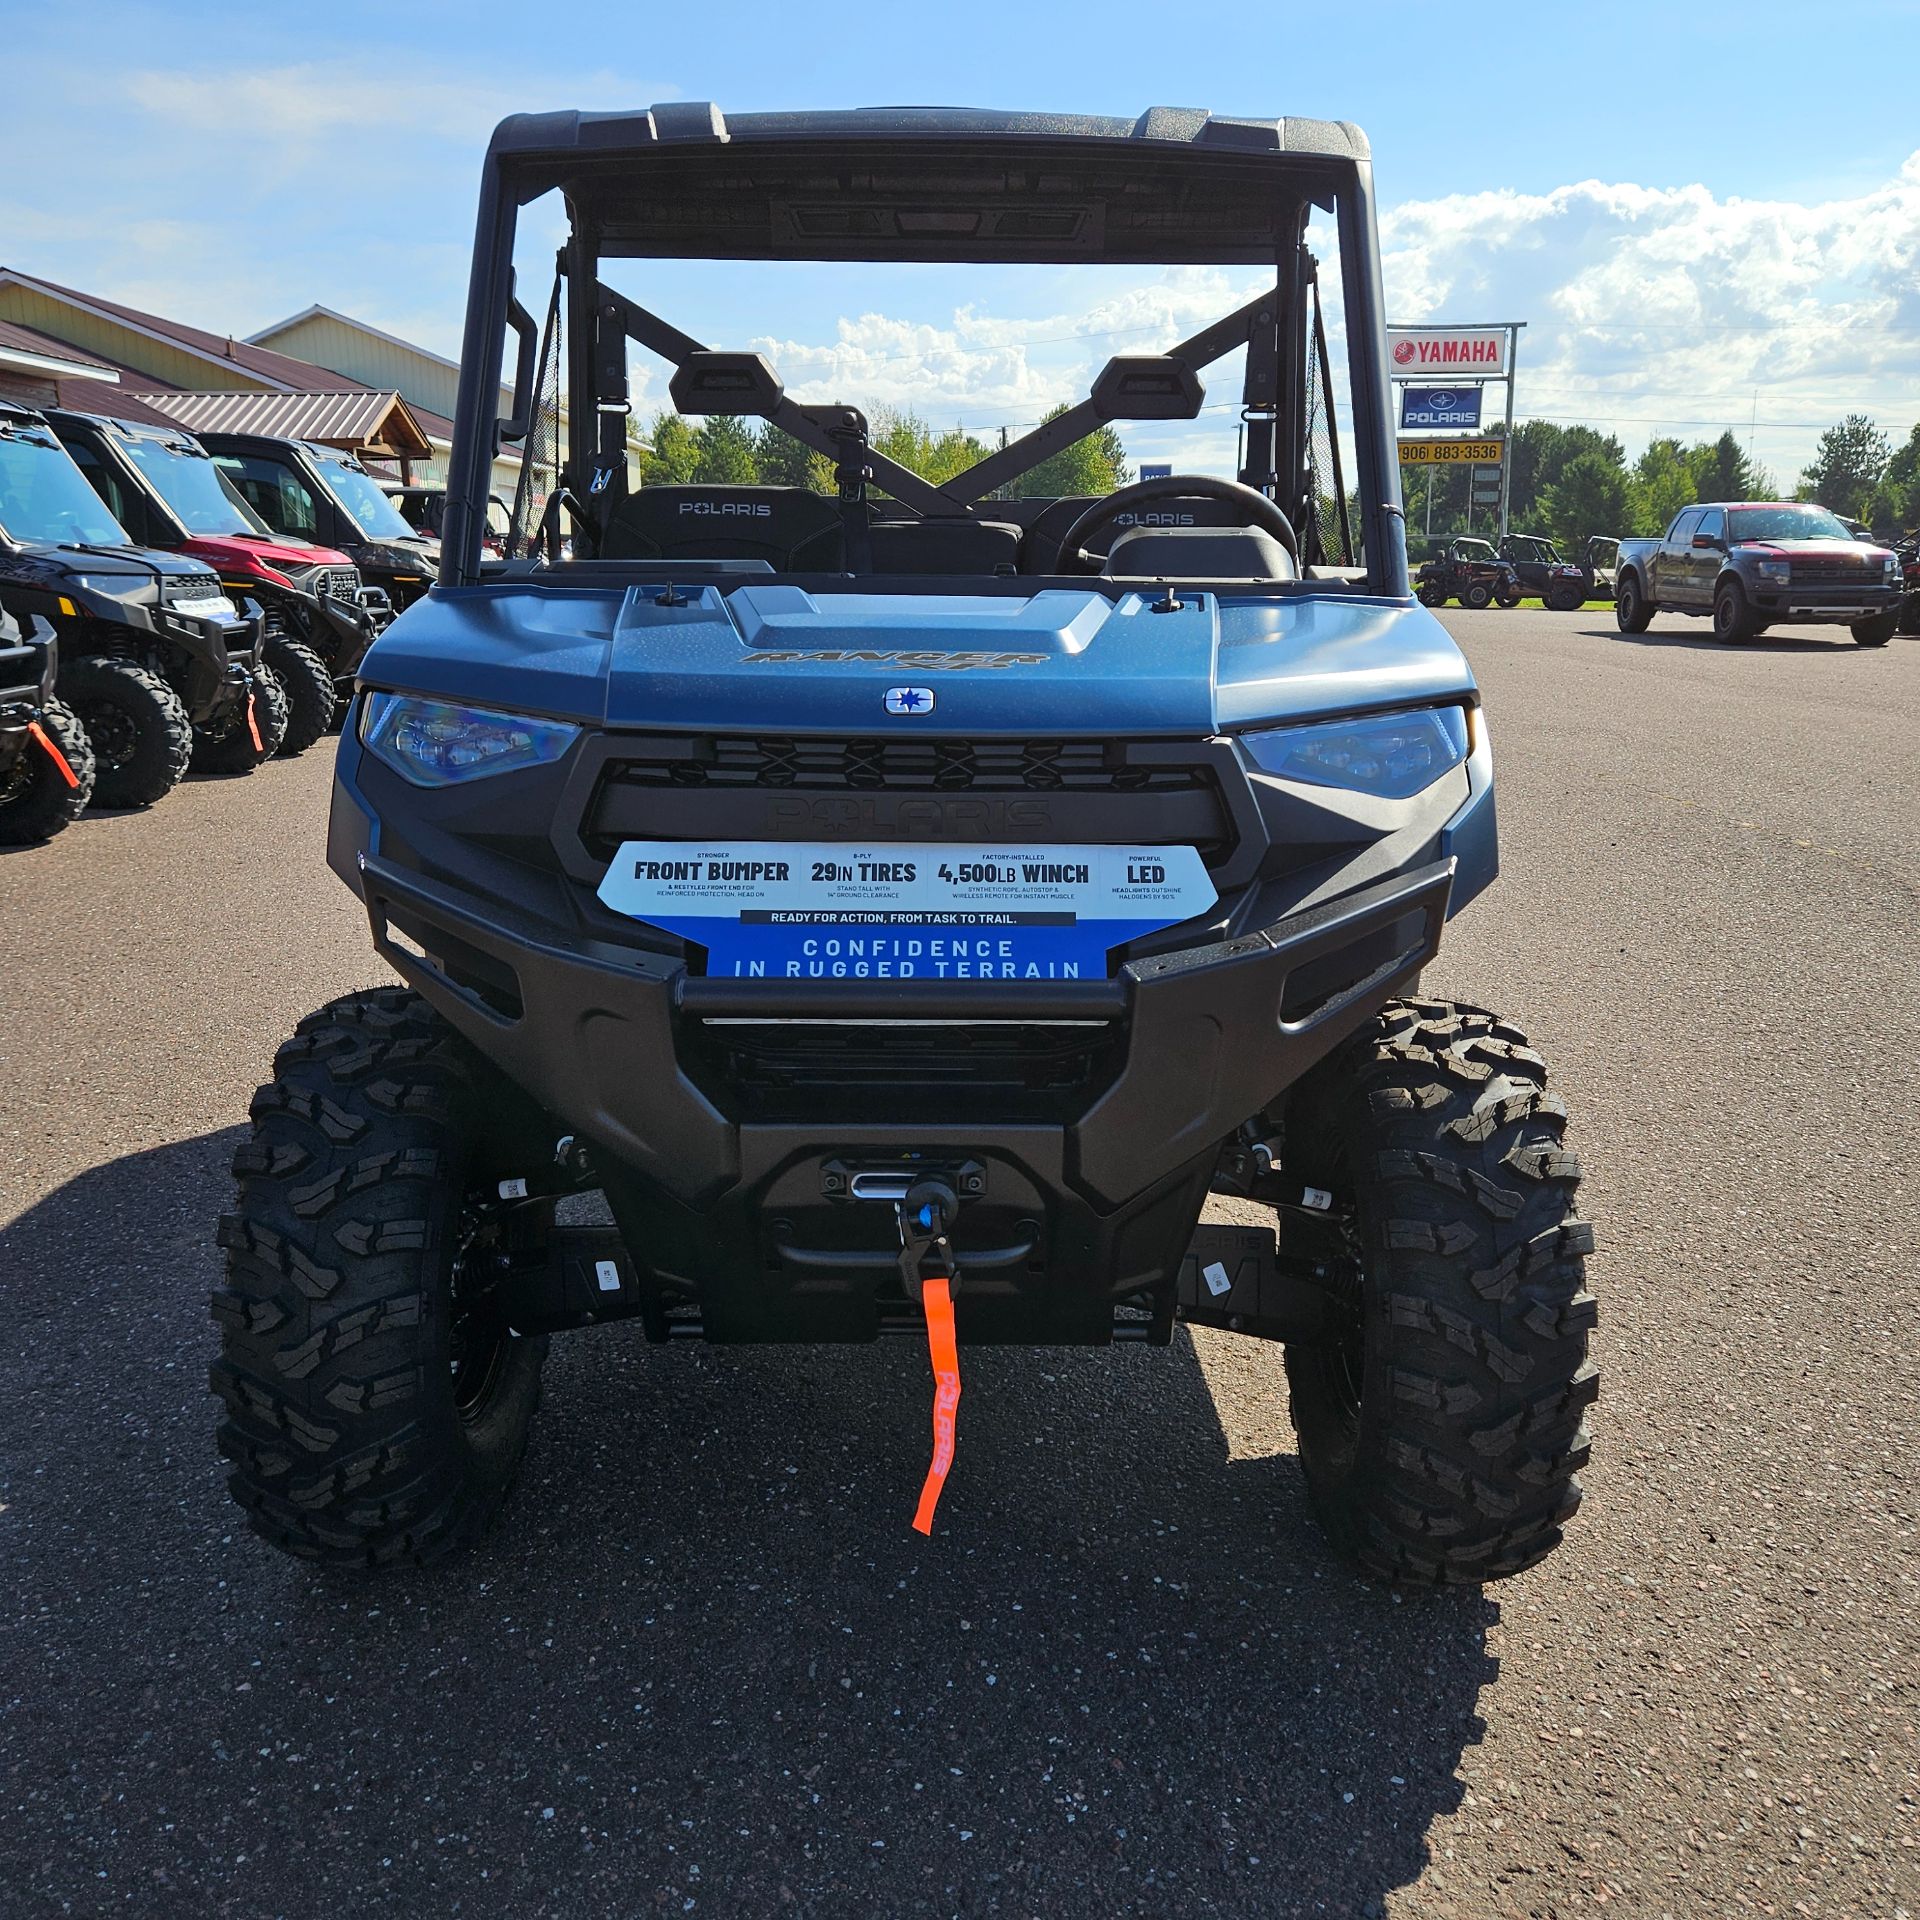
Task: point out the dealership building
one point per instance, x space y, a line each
318 376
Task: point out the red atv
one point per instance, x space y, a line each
1469 571
161 485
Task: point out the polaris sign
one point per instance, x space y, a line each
1439 409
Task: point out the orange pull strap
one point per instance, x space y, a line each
38 733
253 726
936 1297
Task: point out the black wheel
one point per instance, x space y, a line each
375 1409
1877 631
229 744
1565 600
1477 595
1508 596
1631 612
1431 595
308 685
1441 1435
39 794
1732 613
141 737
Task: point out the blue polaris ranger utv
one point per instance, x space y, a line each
904 903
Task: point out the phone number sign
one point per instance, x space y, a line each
1421 453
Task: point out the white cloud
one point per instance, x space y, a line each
1656 310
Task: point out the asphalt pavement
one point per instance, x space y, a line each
703 1667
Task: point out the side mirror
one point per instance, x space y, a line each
1706 542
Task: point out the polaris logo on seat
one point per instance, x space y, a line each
749 509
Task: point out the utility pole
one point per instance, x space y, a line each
1506 445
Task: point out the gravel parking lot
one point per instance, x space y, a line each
704 1667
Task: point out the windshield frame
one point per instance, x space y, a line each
106 531
175 454
330 466
532 153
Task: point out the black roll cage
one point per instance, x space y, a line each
1278 168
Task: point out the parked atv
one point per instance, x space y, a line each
46 763
163 669
423 509
905 924
1469 571
162 486
1558 584
304 491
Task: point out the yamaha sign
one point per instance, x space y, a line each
1439 409
1448 353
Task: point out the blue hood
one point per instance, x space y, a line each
771 658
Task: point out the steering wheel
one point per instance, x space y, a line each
1260 511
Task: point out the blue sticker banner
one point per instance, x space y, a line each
785 910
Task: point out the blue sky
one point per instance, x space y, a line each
1708 214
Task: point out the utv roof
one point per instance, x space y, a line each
930 183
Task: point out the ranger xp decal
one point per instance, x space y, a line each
787 910
923 658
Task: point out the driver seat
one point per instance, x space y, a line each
1198 554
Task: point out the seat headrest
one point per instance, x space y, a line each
792 529
1198 553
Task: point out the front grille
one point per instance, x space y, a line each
1835 573
795 1070
931 766
192 586
338 583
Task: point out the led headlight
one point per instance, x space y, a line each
1776 573
435 744
1389 755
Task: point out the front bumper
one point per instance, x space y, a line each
749 1223
1822 605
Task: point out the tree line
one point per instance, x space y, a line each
1571 481
1567 481
724 450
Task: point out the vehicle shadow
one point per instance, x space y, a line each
1702 642
702 1664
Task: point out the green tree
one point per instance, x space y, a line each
780 459
726 458
1093 465
674 452
1895 506
1662 484
1847 465
1721 471
1539 453
1592 495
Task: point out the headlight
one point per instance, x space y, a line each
434 744
1390 755
1890 566
1776 573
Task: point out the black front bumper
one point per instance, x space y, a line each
1823 604
1074 1224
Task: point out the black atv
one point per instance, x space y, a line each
164 670
305 491
46 764
162 486
1469 571
1559 584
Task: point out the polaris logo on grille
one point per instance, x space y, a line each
909 700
